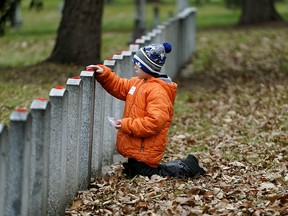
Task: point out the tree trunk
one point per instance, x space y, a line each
254 11
182 4
79 34
139 22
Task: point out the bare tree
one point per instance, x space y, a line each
10 13
139 22
258 12
79 34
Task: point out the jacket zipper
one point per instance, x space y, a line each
142 140
142 145
135 95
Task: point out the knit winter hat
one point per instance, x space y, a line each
151 58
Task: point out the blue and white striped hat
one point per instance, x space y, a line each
151 58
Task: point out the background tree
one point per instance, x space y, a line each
139 21
79 34
5 7
259 12
9 13
253 12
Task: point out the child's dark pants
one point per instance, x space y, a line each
134 167
184 168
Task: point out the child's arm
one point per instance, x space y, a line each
113 84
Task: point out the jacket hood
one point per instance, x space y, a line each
169 86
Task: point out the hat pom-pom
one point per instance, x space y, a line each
167 46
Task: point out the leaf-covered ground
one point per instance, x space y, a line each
232 113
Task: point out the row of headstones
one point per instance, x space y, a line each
50 153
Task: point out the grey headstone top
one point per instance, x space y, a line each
183 14
172 19
140 41
151 34
134 47
126 53
39 103
87 74
57 92
157 31
109 62
190 10
19 116
117 57
161 26
146 37
73 81
187 11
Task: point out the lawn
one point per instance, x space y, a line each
22 50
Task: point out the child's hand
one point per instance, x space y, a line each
118 124
95 68
115 123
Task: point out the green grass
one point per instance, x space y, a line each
34 41
216 15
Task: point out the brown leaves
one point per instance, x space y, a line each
245 51
141 195
241 139
236 125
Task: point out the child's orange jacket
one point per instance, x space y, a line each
147 114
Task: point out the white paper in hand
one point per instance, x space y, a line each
113 121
